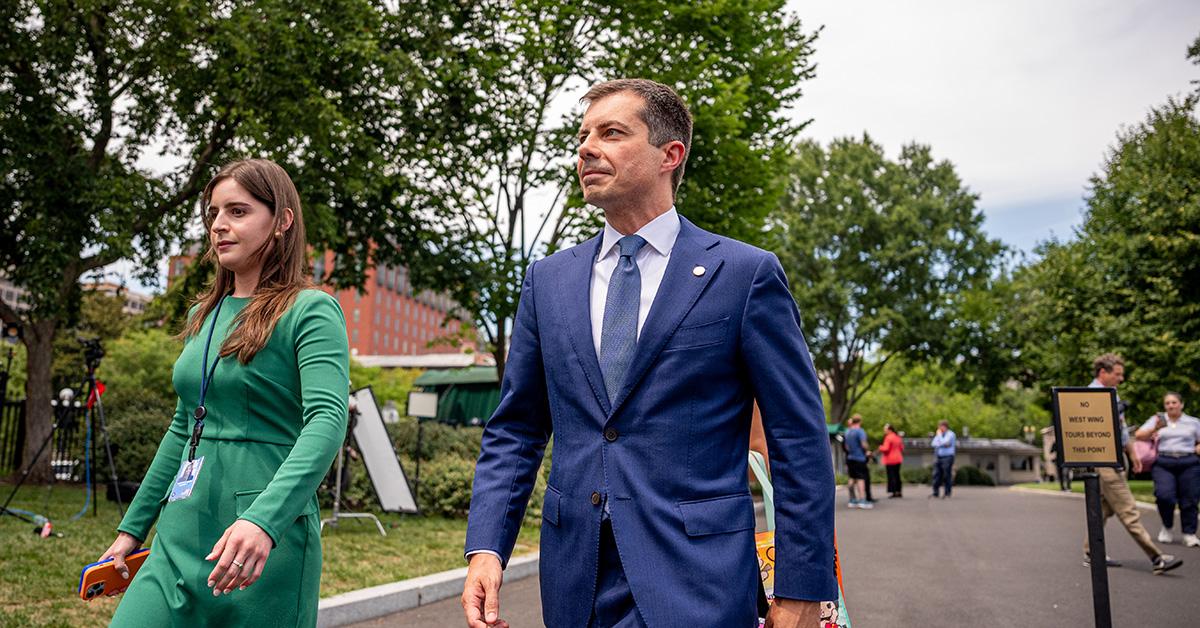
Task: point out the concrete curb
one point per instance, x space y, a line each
1038 491
385 599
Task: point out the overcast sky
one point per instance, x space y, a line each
1024 97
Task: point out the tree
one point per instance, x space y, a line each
90 91
499 178
876 251
1130 281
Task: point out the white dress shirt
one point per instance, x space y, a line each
660 235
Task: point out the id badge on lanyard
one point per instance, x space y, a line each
189 471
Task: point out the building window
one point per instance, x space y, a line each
354 334
356 315
319 268
396 343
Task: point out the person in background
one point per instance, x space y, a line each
944 443
856 463
891 452
1176 438
1115 497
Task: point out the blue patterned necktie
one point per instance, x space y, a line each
618 335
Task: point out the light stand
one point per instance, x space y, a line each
92 354
338 479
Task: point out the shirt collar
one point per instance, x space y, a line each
659 233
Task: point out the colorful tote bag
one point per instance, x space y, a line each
833 612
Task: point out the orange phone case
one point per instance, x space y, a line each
102 579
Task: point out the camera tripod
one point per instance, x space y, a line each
93 353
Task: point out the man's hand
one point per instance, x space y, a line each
786 613
481 592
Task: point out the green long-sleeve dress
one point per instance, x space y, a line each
273 427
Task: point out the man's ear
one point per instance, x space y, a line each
673 155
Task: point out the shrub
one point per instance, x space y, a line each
446 486
437 439
972 476
135 429
922 475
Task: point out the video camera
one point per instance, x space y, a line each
93 351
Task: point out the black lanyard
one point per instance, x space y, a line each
206 375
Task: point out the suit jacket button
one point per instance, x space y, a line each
595 499
610 434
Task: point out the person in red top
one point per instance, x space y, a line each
892 452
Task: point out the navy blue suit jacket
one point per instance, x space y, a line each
675 474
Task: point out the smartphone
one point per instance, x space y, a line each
1162 420
102 578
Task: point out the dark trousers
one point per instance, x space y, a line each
943 474
1064 476
893 475
1177 481
613 606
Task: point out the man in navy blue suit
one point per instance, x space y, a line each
643 351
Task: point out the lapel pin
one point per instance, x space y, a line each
698 271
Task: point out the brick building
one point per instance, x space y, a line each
387 318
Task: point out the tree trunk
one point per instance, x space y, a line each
39 344
839 391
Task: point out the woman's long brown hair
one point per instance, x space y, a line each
285 262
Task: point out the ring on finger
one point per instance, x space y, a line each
238 565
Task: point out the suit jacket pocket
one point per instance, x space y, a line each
718 515
697 336
550 505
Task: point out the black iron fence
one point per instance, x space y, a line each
12 435
66 448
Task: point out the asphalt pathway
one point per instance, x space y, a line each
988 557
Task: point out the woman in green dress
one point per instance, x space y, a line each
262 384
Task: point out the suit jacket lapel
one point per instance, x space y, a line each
678 292
575 286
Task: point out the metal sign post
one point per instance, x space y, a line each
421 405
1086 436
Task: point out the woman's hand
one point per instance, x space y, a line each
240 554
120 548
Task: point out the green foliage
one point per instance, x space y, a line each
913 397
496 104
139 399
446 486
875 249
138 366
135 430
923 475
86 89
100 316
1130 281
16 369
437 439
972 476
387 384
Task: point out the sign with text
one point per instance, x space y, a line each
1085 427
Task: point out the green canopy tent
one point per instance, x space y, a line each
465 396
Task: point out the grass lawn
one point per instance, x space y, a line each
40 576
1143 490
